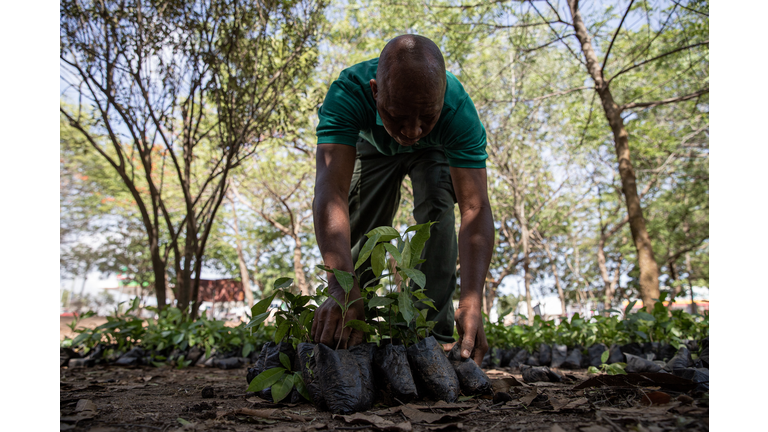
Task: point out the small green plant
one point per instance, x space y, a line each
610 369
406 321
282 381
293 323
347 282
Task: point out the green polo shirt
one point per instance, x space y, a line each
349 112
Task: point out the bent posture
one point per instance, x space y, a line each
399 114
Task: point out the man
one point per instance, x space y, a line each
382 119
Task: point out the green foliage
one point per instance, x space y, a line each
662 325
294 322
405 310
610 369
169 331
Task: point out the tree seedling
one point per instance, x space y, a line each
293 323
406 322
610 369
282 381
347 282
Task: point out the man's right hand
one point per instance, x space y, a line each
328 326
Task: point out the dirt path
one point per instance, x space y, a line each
91 322
152 399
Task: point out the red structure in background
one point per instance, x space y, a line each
221 290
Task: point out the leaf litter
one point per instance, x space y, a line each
579 404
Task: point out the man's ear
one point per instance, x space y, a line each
374 88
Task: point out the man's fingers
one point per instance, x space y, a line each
449 346
467 344
315 322
328 333
479 354
356 338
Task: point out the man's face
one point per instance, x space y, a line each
408 113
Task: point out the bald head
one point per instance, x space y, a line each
413 59
409 87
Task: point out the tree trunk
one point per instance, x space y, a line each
526 265
489 296
609 284
82 287
240 259
560 292
689 269
673 276
649 270
298 269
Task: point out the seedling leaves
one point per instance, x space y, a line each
386 233
298 382
281 331
266 379
405 305
379 301
345 279
282 387
378 260
257 319
285 361
415 275
262 306
365 252
394 252
604 357
629 307
358 325
282 282
417 243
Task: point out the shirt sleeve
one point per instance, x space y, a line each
341 115
465 138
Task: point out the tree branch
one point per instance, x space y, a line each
663 102
637 65
608 52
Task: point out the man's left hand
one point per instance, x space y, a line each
469 323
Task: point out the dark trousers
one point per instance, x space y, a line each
374 197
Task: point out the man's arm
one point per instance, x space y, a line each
334 166
476 237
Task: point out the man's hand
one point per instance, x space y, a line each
475 249
469 323
328 327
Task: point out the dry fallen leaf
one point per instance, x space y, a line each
633 412
283 428
445 426
445 405
85 405
656 398
557 403
262 413
595 428
376 421
575 403
503 384
256 400
424 417
530 396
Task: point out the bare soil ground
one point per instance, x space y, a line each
91 322
112 398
